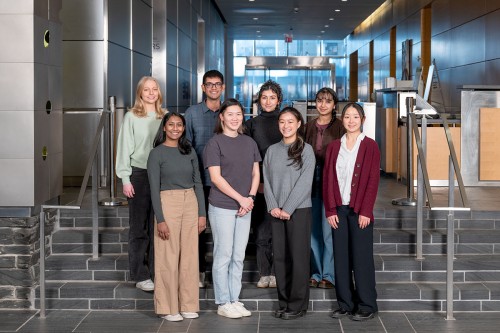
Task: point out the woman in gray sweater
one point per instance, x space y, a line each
288 173
179 206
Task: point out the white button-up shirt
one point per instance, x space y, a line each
345 167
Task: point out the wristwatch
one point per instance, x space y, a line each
251 196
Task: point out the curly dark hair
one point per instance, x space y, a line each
275 88
184 144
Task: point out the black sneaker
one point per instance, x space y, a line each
339 313
362 315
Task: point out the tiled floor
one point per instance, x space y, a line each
263 322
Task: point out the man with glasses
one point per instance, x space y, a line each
200 122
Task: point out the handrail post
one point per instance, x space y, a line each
409 200
95 212
112 200
42 262
450 243
420 191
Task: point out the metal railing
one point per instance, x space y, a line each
423 183
91 167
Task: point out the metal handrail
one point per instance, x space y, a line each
423 180
91 166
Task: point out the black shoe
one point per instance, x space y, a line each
279 313
361 315
289 314
339 313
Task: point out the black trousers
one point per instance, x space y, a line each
202 237
292 252
353 256
141 232
261 226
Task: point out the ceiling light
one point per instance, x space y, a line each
257 31
322 31
255 18
331 18
326 25
254 0
337 10
259 36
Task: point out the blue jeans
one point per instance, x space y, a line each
321 244
230 234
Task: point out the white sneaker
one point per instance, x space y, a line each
146 285
272 281
174 317
240 307
202 280
229 311
263 282
189 315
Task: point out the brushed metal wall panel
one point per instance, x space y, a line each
17 33
441 49
16 134
119 75
55 45
17 179
160 40
41 8
78 132
41 53
55 7
18 93
184 16
83 20
42 179
172 86
463 11
55 132
468 43
184 91
17 7
492 69
184 51
470 74
141 66
41 85
441 16
119 18
56 175
172 11
171 44
492 27
55 87
142 30
83 74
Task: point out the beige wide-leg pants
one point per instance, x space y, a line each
176 259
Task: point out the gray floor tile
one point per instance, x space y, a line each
54 322
12 320
120 321
210 322
464 322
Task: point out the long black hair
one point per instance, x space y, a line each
325 92
296 148
275 88
184 144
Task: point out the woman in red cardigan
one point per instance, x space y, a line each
350 182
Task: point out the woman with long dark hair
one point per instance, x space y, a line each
135 141
179 206
288 174
350 183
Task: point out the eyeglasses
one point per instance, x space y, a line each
210 85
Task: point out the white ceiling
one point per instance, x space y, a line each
306 18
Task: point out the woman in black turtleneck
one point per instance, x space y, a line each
264 130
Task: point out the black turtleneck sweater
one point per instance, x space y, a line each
265 131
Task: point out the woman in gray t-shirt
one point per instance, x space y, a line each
232 160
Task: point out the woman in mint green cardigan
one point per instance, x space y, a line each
135 141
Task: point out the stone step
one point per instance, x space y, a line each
409 296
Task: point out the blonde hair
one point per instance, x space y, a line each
138 109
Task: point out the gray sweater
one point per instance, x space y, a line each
285 186
168 169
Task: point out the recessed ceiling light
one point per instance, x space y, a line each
322 31
259 36
254 0
331 18
337 10
342 0
257 31
255 18
326 25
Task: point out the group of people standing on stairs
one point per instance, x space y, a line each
306 189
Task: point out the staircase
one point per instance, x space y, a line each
76 281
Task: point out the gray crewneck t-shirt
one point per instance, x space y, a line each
168 169
285 186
